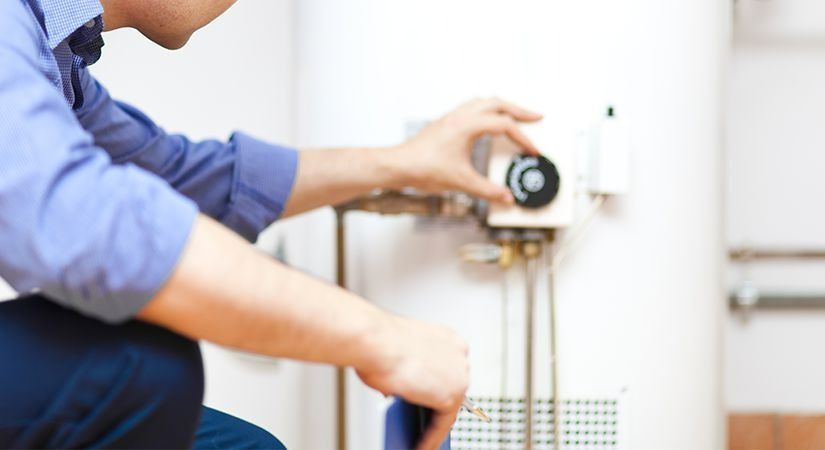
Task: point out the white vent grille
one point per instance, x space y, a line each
585 424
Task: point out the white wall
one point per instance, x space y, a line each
234 74
641 301
775 142
6 292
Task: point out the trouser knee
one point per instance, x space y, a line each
77 382
171 373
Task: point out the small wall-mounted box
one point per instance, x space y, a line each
542 186
608 157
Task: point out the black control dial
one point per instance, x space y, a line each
533 180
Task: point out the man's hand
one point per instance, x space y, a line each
439 159
424 364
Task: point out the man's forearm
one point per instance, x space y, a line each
225 291
436 160
333 176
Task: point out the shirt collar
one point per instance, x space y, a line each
64 17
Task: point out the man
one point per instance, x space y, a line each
137 234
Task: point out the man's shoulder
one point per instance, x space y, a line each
19 24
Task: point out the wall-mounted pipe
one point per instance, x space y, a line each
340 372
747 254
450 204
778 301
531 251
747 297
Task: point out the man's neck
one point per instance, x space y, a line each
113 17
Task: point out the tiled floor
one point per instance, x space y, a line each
776 432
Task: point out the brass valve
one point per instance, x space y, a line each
502 253
531 249
509 251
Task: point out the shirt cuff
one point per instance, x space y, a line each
263 179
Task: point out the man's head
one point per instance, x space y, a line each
169 23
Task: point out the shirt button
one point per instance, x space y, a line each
90 24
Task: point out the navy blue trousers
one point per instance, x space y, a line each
67 381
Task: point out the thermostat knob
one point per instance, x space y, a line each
533 181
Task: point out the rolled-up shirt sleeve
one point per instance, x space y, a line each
97 237
243 183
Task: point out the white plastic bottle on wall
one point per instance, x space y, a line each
609 156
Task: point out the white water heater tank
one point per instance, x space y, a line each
640 300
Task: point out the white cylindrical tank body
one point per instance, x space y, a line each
640 300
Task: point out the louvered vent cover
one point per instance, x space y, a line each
586 424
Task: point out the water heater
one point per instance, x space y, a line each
639 300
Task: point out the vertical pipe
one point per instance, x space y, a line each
528 365
554 362
340 372
505 332
531 253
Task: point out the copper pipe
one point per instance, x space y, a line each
408 202
531 252
340 372
554 352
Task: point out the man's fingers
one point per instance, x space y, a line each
505 125
437 431
478 186
515 133
499 106
519 113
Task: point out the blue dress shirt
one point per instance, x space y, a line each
96 201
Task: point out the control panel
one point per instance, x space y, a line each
543 186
